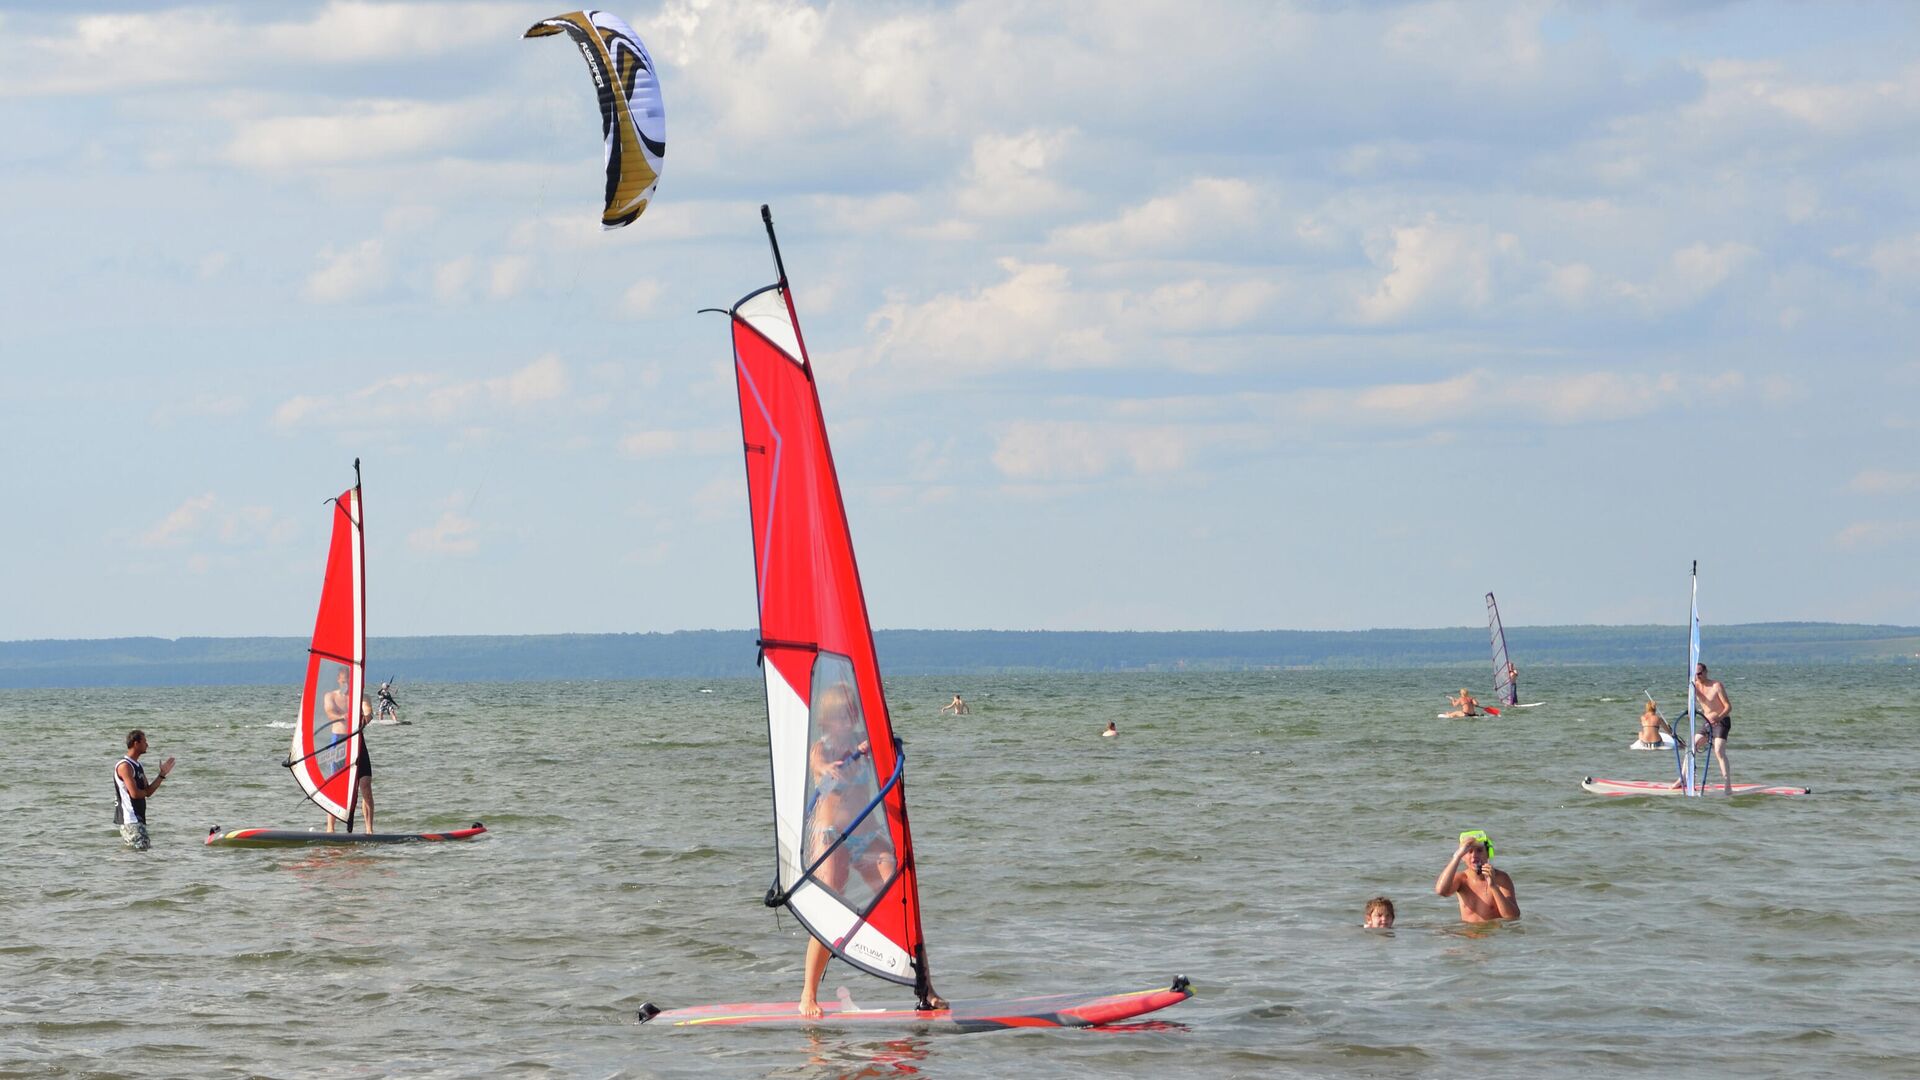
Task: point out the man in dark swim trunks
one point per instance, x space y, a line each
1710 697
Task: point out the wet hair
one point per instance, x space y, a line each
135 736
1380 903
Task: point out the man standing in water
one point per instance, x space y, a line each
957 707
338 703
131 790
1485 894
1710 697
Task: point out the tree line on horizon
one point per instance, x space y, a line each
714 654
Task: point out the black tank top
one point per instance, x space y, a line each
123 799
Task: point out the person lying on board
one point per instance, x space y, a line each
1485 894
1379 914
1710 696
1653 725
1463 706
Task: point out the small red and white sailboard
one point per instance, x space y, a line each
844 850
325 756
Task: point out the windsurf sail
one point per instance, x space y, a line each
1505 686
1684 756
325 758
844 853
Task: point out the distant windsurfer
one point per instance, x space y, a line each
1485 894
1513 684
957 707
1111 732
1654 729
338 703
1463 706
131 791
1710 698
389 708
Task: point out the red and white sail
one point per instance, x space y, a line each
845 854
326 735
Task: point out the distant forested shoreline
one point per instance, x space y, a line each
708 654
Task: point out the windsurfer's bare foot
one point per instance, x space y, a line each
810 1008
935 1001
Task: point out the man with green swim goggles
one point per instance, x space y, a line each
1485 894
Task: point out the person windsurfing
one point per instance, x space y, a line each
389 708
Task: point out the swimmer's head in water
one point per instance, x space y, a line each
1479 836
1379 914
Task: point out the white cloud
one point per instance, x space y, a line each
508 276
657 444
1436 267
1896 259
640 297
1033 317
1206 210
113 52
451 534
1075 450
1571 398
1869 535
543 380
1884 482
200 517
180 523
350 273
451 278
1007 175
363 132
431 398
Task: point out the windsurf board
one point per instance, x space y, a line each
1659 787
278 837
988 1014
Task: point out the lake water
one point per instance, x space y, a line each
1232 834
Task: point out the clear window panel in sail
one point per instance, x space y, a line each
332 717
841 783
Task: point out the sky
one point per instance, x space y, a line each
1154 316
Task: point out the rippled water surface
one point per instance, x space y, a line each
1232 834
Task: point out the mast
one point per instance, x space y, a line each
1684 756
355 718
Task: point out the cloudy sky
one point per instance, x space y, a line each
1128 316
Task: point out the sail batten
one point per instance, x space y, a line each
843 850
325 754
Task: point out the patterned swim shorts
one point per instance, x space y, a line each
135 834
